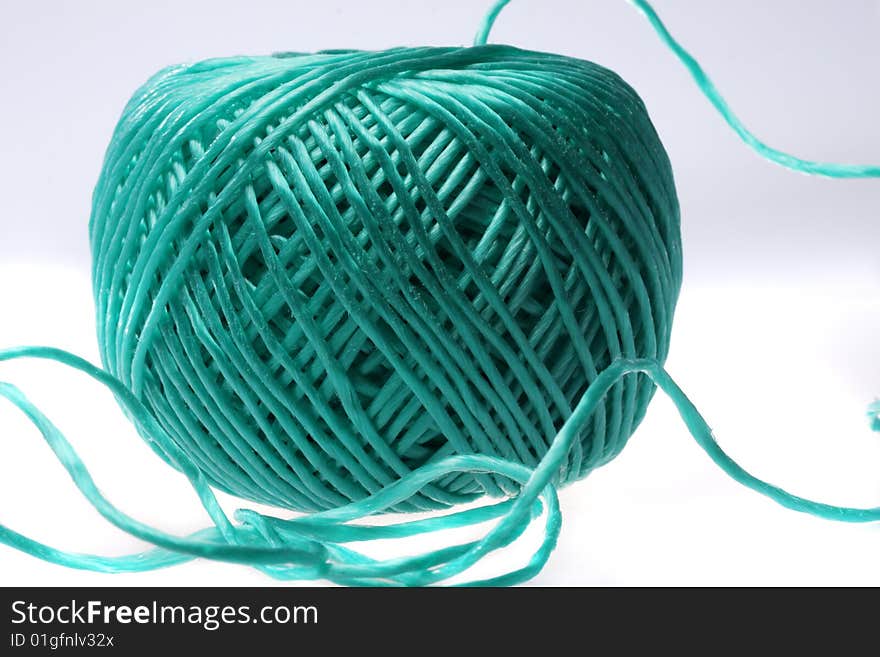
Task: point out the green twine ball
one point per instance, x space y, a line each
322 271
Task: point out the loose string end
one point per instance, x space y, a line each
874 415
488 21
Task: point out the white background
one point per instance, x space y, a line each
777 336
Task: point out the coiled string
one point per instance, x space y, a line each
317 546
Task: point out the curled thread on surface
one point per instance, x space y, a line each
350 283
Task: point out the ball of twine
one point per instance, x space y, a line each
321 272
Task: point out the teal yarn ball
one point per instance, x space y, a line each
322 271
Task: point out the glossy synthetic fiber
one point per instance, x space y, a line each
321 272
356 282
